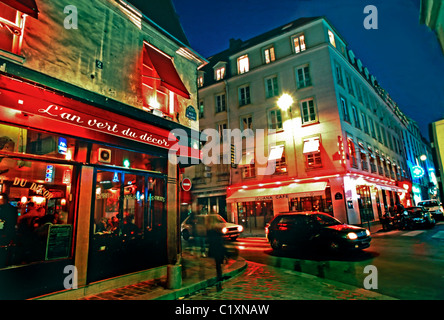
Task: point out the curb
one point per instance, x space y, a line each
238 267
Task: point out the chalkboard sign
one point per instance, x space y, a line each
58 245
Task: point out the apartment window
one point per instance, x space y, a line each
331 37
220 103
303 77
269 55
220 128
372 128
312 152
243 64
277 154
247 164
356 118
378 132
349 84
384 137
299 43
338 71
308 111
274 120
246 123
12 25
358 91
201 109
219 73
352 153
364 123
271 87
244 95
345 113
200 81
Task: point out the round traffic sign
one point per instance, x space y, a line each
186 184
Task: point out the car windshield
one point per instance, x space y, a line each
327 220
217 219
414 211
428 204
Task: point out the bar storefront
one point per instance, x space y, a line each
89 187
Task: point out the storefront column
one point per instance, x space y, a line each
173 229
83 224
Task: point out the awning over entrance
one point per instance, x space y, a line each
164 67
291 190
28 7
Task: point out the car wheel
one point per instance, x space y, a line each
275 244
186 234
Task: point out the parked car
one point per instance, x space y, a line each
419 217
434 207
204 221
303 229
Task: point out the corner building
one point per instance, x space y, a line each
337 147
89 92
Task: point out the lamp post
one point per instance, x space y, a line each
284 103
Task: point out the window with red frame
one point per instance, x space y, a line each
12 24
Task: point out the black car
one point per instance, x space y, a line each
419 217
304 229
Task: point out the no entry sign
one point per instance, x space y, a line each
186 184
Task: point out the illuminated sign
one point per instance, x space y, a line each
49 173
417 172
62 146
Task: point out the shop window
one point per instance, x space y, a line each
42 197
315 203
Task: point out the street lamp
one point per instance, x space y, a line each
284 103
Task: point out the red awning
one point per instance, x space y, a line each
28 7
166 71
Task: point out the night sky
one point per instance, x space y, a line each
404 56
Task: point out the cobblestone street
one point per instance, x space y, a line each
262 282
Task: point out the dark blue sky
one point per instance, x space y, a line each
403 55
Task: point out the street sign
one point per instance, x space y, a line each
186 184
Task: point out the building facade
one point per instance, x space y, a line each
335 146
89 92
436 130
420 164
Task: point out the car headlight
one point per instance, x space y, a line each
367 232
240 228
352 236
224 230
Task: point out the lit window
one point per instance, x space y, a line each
200 81
352 152
220 73
331 37
247 165
269 55
277 154
299 43
12 24
243 64
308 111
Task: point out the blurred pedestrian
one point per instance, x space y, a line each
217 251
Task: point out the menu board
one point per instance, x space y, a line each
58 245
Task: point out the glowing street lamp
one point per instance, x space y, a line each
284 102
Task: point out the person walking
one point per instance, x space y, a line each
217 252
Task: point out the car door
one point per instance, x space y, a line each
293 229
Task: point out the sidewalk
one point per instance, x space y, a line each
197 273
199 277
